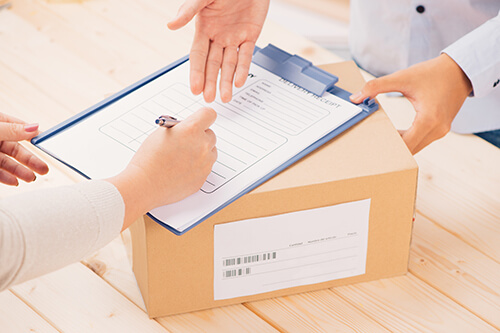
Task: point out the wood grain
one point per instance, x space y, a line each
92 38
16 316
469 212
320 311
458 270
407 304
75 299
56 72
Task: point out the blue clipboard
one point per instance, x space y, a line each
293 68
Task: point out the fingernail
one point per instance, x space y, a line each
356 95
31 127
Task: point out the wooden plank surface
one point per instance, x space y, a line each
407 304
99 42
16 316
74 299
319 311
468 210
456 269
59 57
58 73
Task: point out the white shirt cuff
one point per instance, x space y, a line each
478 54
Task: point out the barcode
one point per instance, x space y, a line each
236 272
249 259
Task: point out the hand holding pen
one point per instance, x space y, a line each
166 121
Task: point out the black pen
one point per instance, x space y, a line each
167 121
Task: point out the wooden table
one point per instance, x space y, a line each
59 57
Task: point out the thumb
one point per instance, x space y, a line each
203 118
17 132
186 13
376 86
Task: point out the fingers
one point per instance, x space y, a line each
16 169
212 141
214 157
198 60
186 13
435 134
203 118
5 118
214 62
421 146
415 134
17 132
229 62
208 58
8 179
416 141
244 59
424 130
377 86
212 138
12 130
24 156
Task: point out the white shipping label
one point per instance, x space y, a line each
265 254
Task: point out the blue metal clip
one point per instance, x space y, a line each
295 69
368 102
368 105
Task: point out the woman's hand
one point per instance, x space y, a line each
437 88
16 162
226 32
171 164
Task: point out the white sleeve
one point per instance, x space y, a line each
42 231
478 54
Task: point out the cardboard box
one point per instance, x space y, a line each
176 273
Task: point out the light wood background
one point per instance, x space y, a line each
58 57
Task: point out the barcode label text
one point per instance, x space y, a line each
249 259
237 272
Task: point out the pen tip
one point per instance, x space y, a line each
157 121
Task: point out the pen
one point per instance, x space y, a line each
166 121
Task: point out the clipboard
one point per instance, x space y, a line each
292 68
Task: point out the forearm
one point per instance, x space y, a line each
45 230
135 196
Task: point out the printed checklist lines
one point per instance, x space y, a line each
239 143
276 108
247 128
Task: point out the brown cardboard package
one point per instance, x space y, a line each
176 273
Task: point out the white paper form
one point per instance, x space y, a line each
268 122
282 251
